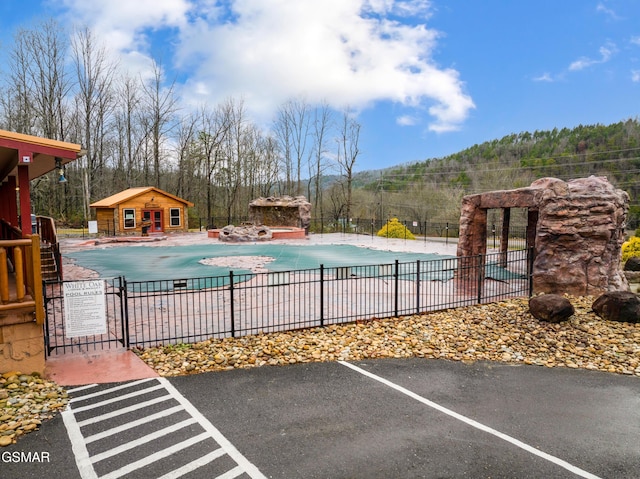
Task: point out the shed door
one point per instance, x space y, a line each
155 217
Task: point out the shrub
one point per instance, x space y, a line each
394 229
631 248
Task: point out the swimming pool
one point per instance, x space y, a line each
146 263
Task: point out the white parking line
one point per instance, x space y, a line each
192 466
133 424
473 423
229 448
156 456
142 440
85 461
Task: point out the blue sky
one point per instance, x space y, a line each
427 77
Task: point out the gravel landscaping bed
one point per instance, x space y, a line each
503 331
25 401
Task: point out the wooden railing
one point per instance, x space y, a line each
21 277
46 228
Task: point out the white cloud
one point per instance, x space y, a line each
606 52
601 8
346 52
122 22
545 77
635 76
406 120
635 40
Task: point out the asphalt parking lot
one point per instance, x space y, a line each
409 418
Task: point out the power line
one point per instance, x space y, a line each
511 168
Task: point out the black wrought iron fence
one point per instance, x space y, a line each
65 334
153 313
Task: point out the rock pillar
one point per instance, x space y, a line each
576 229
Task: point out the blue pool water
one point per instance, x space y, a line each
145 263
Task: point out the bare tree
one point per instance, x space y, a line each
321 125
292 130
160 110
95 104
33 100
17 104
348 151
269 170
46 48
214 127
130 134
187 156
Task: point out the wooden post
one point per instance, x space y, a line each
4 276
18 264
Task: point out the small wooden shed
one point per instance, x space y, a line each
142 210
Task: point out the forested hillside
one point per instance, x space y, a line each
430 187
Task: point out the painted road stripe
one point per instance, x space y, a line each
78 446
201 461
229 448
85 461
133 424
235 472
125 410
473 423
156 456
142 440
81 388
117 399
106 391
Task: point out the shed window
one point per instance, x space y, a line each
129 215
174 215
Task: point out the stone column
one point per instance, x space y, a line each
472 246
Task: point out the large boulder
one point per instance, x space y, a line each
245 233
621 306
281 211
632 264
552 308
580 231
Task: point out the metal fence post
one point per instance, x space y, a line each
321 295
418 287
124 311
47 333
231 308
480 278
396 287
530 259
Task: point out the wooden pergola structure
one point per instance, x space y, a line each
22 159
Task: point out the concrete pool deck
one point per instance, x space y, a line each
420 245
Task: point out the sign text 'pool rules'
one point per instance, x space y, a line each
85 309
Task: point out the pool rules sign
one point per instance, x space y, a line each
85 309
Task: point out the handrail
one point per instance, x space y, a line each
9 231
21 276
47 229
